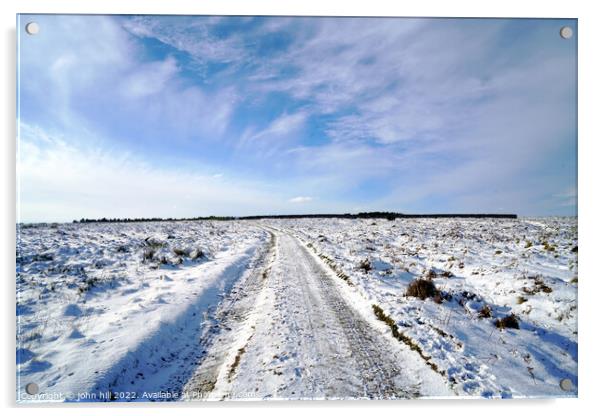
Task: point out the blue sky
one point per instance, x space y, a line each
178 116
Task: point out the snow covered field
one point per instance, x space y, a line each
120 307
285 308
485 270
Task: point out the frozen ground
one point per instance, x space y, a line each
308 308
482 267
309 336
120 307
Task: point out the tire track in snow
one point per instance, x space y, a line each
231 320
368 357
307 341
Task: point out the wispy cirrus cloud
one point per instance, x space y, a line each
279 134
148 79
380 113
191 34
105 82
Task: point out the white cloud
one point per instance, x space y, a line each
74 54
284 126
300 199
148 79
100 75
423 103
191 35
61 182
274 140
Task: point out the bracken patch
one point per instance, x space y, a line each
510 321
422 289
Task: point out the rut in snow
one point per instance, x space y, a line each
302 339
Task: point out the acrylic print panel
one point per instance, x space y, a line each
295 208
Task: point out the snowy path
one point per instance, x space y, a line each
260 313
308 335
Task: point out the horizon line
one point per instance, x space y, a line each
358 215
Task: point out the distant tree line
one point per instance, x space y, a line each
380 214
153 219
371 215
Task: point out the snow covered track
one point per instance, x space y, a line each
225 331
305 340
486 270
283 309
